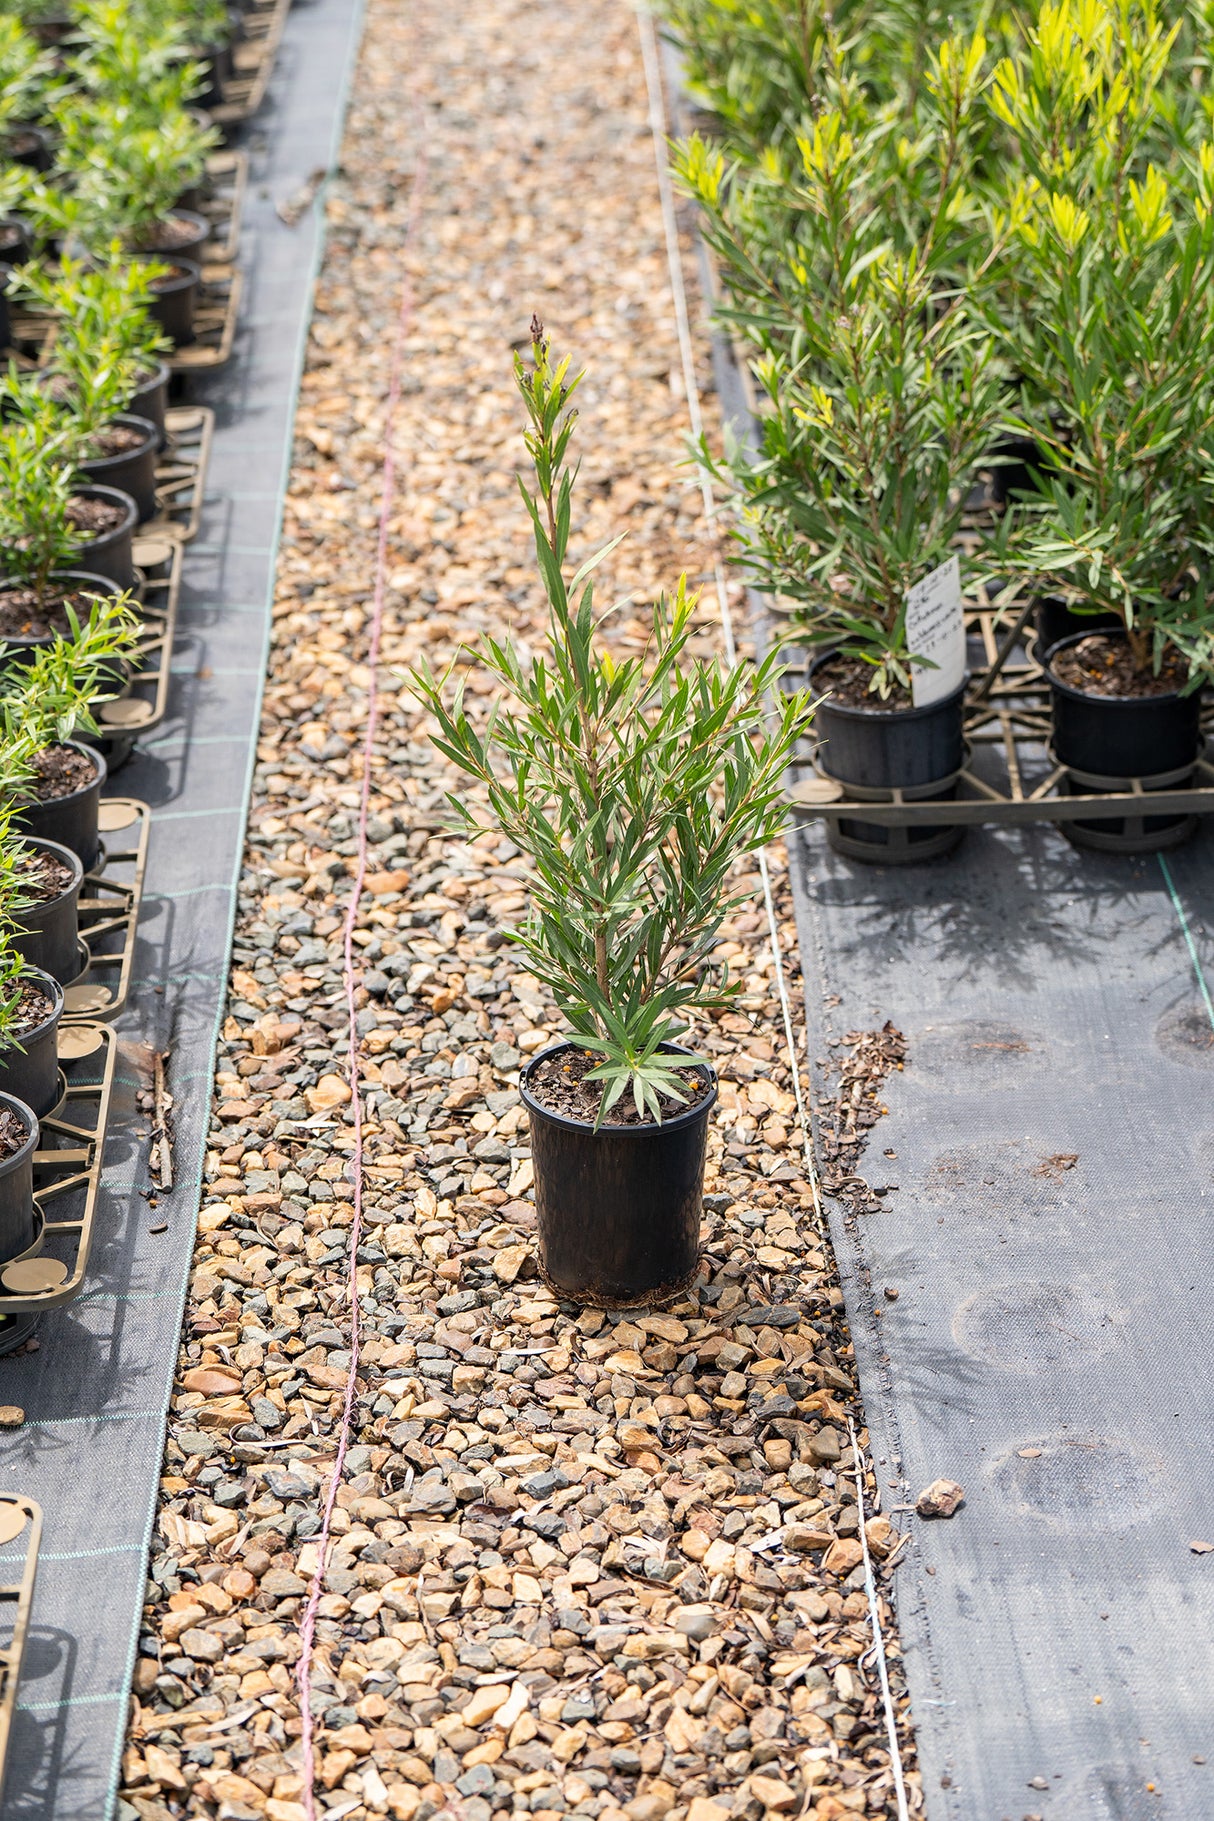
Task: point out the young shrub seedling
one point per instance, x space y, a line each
631 784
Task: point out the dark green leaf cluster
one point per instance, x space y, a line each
632 785
1012 241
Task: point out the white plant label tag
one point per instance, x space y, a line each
935 629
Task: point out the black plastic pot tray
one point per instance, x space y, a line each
20 1530
1010 774
144 701
67 1179
214 321
245 89
109 913
223 205
181 472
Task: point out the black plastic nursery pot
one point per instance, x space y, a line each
29 1067
150 400
618 1210
1107 742
110 553
18 1219
181 235
48 932
174 298
220 69
916 750
69 820
1054 620
28 145
15 244
131 471
21 647
1016 470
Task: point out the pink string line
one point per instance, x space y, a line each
307 1629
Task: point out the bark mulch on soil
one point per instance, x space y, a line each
581 1561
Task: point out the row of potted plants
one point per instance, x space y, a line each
981 260
50 790
107 145
101 154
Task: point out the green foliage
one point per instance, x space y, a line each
24 72
631 785
764 68
36 535
122 178
849 270
52 698
1110 278
49 701
101 315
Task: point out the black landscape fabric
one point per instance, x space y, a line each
96 1392
1051 1243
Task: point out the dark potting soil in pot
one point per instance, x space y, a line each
1104 666
118 439
21 616
167 234
33 1009
43 878
848 680
59 771
561 1088
173 276
96 517
13 1133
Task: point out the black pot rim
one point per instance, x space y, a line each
189 274
849 712
159 376
66 858
116 494
97 584
196 221
9 1165
1080 695
131 421
48 985
651 1130
94 783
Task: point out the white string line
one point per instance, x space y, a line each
887 1699
659 131
658 126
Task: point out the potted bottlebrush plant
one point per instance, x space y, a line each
48 789
1117 351
50 780
632 784
77 405
25 69
40 541
120 184
880 392
101 315
31 1004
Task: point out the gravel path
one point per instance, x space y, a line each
581 1562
